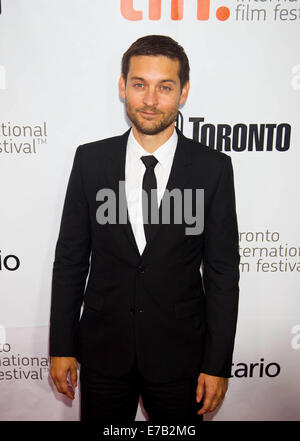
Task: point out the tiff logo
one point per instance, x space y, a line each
2 77
177 8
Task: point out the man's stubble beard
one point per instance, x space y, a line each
156 126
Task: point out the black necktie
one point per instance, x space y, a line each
150 211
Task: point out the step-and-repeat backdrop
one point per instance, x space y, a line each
59 71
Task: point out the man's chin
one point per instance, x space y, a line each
148 129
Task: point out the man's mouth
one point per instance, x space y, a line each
149 112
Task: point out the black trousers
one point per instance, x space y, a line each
115 400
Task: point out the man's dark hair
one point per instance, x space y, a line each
158 45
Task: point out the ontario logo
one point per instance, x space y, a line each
202 10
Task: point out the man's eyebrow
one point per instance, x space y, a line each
137 78
168 81
142 79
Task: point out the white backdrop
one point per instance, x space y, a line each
59 71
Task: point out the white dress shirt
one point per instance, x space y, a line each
134 173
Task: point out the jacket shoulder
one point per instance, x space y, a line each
203 152
101 146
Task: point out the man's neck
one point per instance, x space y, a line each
152 142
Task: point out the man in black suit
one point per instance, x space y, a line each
153 324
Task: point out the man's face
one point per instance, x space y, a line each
152 93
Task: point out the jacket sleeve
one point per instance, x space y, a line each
71 265
221 276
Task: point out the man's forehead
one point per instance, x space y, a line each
150 64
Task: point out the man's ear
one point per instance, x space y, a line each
184 93
122 85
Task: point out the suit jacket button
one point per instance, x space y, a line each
141 269
140 310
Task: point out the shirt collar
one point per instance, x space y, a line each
164 154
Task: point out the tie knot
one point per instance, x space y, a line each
149 161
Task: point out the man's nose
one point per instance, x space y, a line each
150 98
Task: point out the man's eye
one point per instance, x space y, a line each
165 88
138 85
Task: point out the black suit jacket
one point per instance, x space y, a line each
155 304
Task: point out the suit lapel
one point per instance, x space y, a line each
115 173
179 177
